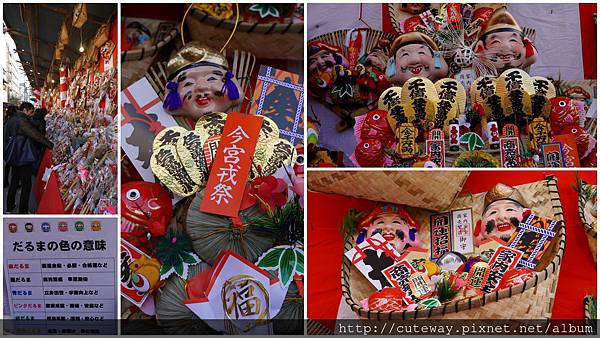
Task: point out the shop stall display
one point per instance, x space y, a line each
450 85
212 224
78 175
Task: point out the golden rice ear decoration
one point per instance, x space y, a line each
515 87
540 101
452 101
391 101
419 97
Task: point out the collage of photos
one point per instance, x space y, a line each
155 157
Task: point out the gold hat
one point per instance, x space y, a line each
501 20
412 37
194 52
503 192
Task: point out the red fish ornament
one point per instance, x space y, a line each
147 205
586 144
562 113
375 125
370 153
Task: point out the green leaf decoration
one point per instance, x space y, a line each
287 265
175 252
290 261
265 10
270 259
430 303
472 140
179 268
300 262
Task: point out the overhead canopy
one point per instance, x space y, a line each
35 29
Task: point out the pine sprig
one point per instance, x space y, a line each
349 224
286 221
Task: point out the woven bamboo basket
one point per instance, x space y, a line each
135 62
414 188
531 300
586 219
268 41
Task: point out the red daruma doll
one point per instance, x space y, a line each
394 223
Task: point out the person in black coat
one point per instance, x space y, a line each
10 112
20 125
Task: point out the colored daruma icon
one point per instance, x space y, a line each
96 226
12 227
79 226
28 227
63 227
46 227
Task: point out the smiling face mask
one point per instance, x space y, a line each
201 91
200 83
395 230
415 54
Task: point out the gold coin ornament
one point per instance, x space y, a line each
167 166
191 152
419 97
543 91
211 124
182 159
269 131
391 102
168 136
283 154
515 87
452 101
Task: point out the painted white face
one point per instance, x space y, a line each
395 230
505 50
499 220
417 60
200 89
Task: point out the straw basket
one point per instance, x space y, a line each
415 188
135 62
268 41
531 300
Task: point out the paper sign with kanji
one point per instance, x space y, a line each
231 167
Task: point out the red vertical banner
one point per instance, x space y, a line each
62 73
229 174
589 34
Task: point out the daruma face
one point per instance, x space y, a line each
417 60
200 89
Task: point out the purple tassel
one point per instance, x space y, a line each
229 87
172 101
